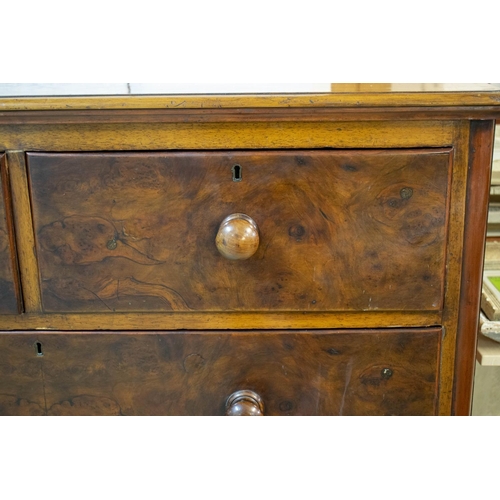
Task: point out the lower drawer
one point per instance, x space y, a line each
329 372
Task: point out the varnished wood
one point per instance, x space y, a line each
481 151
9 279
361 372
21 376
28 263
360 117
254 115
361 230
237 237
474 95
221 320
213 136
455 255
244 403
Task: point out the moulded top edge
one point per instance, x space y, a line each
17 97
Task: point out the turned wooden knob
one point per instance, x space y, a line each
244 404
238 237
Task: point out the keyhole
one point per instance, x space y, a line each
236 173
38 348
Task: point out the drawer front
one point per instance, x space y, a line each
338 230
366 372
8 293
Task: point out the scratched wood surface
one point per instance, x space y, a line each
339 230
363 372
324 95
8 297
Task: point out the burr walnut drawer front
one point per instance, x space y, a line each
305 230
353 372
8 266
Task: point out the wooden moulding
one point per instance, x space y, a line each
481 150
474 97
10 287
457 208
226 136
117 116
222 321
28 264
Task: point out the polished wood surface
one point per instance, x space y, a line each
445 177
454 263
237 237
261 116
481 147
168 320
25 237
363 372
8 267
328 95
226 135
339 230
244 404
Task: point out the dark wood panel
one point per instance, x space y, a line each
478 187
8 270
21 376
358 372
339 230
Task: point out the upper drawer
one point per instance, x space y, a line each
338 230
8 293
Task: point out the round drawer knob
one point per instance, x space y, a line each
244 404
238 237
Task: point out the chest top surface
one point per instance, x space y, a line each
25 96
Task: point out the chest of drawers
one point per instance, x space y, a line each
277 254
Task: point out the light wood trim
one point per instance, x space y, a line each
220 321
454 263
199 101
26 249
212 136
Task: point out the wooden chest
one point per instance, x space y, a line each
276 254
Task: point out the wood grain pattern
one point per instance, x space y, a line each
28 263
365 372
125 373
21 376
237 237
255 115
473 96
220 135
169 320
478 187
340 230
454 263
9 288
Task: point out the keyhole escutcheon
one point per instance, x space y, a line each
237 173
